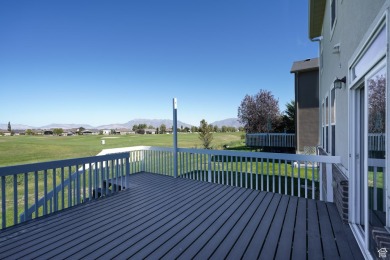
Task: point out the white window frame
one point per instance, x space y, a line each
332 117
333 25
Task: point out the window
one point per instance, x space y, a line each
323 125
327 124
332 14
333 120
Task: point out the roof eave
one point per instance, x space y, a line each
316 17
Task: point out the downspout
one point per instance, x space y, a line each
319 39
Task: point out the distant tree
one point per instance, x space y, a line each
142 126
287 121
135 128
112 132
194 129
150 127
259 113
9 127
58 131
101 132
163 129
80 130
205 134
215 129
29 132
241 129
186 129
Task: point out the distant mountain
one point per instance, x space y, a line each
228 122
16 127
129 125
67 126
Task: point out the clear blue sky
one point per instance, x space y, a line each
101 62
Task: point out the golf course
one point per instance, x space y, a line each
16 150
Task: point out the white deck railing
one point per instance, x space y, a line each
34 190
290 174
38 189
270 140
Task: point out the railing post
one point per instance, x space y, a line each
329 183
175 137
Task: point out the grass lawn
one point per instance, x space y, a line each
16 150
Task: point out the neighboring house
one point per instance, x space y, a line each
150 131
87 132
124 131
106 132
353 37
306 105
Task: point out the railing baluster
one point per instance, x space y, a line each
285 177
3 206
267 174
45 192
55 193
312 181
15 199
299 178
321 184
292 177
70 186
36 193
306 179
273 175
375 188
84 181
280 178
26 216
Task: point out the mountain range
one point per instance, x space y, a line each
129 125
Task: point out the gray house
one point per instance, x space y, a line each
353 38
306 105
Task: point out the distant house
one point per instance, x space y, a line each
7 133
106 132
124 131
87 132
150 131
306 105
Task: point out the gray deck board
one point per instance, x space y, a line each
162 217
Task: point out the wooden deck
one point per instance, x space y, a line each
163 217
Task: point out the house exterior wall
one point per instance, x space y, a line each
354 18
306 97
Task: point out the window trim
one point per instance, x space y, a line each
333 25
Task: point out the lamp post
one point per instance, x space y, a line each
175 137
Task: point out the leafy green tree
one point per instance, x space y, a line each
163 129
135 128
186 129
58 131
29 132
150 127
205 134
9 127
289 117
194 129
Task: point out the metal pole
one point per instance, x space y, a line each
175 137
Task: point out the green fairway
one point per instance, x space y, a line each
29 149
